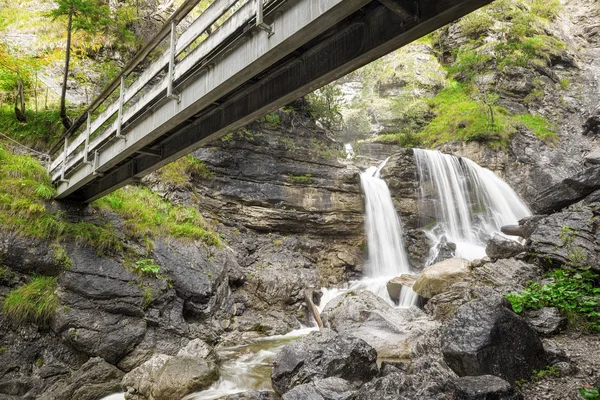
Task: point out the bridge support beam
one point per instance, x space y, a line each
362 38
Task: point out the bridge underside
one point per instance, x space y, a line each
369 33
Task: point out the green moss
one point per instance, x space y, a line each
40 129
60 256
461 117
146 214
34 302
179 173
301 179
260 328
538 125
3 349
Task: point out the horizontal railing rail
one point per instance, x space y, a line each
101 129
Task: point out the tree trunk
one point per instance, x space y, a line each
63 106
20 100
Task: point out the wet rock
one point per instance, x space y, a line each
199 278
395 286
592 124
444 249
320 355
546 321
323 389
568 237
567 192
94 380
501 247
417 245
181 376
592 157
484 387
391 331
390 387
28 255
253 395
436 278
165 377
513 230
486 337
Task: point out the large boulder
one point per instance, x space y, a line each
567 192
325 389
94 380
568 237
484 387
500 247
486 338
165 377
437 278
391 331
393 386
320 355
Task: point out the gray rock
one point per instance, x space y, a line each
183 375
554 353
567 192
323 389
94 380
484 387
253 395
391 331
165 377
592 157
320 355
568 237
390 387
444 249
486 337
395 286
546 321
28 255
500 247
592 124
438 277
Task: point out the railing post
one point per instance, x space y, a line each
120 116
64 163
95 165
259 19
86 150
172 51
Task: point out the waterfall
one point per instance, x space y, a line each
468 203
387 257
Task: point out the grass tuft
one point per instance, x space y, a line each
34 302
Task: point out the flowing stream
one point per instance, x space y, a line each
469 203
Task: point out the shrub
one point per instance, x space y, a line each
573 291
34 302
147 266
179 174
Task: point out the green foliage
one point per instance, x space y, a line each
147 266
550 370
3 349
538 125
573 291
461 117
272 121
88 15
5 274
146 214
325 106
179 173
34 302
589 393
60 256
301 179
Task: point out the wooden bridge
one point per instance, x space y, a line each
208 82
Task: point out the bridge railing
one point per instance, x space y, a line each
184 55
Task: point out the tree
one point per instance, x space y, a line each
87 15
15 74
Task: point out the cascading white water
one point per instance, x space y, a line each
387 257
470 202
